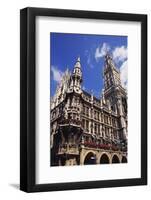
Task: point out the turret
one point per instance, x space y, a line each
61 89
76 78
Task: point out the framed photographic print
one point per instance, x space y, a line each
83 99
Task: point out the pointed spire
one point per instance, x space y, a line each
108 57
78 59
92 96
76 77
78 64
103 98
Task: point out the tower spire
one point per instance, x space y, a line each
76 77
77 64
111 73
78 59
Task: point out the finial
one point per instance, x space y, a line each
108 55
77 64
92 97
78 59
103 98
67 70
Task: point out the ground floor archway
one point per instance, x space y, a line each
90 156
115 159
90 159
104 159
124 159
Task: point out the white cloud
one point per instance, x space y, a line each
120 54
89 62
57 74
124 73
101 51
88 59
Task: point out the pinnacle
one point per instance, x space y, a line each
78 59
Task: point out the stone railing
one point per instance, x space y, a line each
104 146
70 121
68 149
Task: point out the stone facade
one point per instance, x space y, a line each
85 129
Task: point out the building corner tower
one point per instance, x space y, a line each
116 95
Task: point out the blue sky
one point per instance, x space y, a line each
65 48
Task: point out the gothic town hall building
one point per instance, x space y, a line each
85 129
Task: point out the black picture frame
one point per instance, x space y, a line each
28 99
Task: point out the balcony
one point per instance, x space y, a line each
104 146
71 149
70 122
